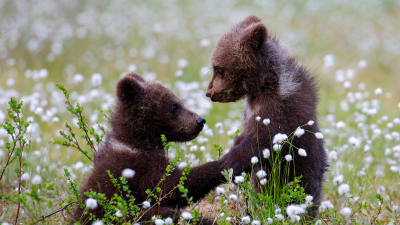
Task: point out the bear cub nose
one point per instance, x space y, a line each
201 121
208 95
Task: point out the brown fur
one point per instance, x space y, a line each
250 64
143 112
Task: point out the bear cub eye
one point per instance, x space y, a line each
175 107
218 70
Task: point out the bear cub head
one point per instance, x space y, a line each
145 110
236 61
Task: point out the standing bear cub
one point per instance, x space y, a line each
144 111
249 64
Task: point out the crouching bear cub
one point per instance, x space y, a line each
144 111
249 64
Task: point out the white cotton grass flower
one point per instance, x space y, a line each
78 78
96 79
186 215
154 217
299 132
261 173
182 63
169 221
276 147
279 138
395 208
228 219
302 152
338 180
318 222
98 222
159 222
266 153
310 123
278 211
279 217
128 173
194 148
319 135
381 190
263 181
118 213
309 198
288 158
378 91
146 204
182 165
91 203
266 122
254 160
239 179
36 180
233 197
332 156
346 212
343 189
25 176
246 219
269 220
340 125
79 165
255 222
55 119
219 190
258 118
203 148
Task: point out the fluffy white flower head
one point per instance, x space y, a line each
91 203
302 152
310 123
269 220
246 219
279 217
220 191
338 180
346 211
378 91
98 222
128 173
233 197
258 118
288 158
263 181
169 221
266 122
36 179
266 153
186 216
309 198
96 79
319 135
254 160
146 204
239 179
343 189
118 213
159 222
261 173
256 222
299 132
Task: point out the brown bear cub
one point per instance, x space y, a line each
249 64
144 111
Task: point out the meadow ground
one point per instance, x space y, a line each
352 47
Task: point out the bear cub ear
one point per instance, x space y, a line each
130 87
254 36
